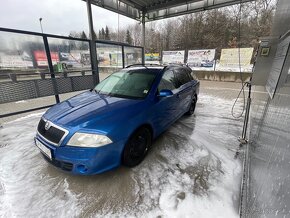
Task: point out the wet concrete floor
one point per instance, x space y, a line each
189 172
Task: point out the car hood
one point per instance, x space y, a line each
93 111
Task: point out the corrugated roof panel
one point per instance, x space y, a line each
160 9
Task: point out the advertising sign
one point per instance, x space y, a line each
76 59
201 58
152 57
230 57
41 60
109 57
176 57
15 61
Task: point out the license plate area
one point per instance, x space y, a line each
45 150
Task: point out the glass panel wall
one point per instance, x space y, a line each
70 56
133 55
109 59
21 54
25 73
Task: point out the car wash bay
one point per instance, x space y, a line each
191 170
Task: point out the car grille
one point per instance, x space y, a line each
53 134
60 164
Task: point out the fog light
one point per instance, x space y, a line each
82 168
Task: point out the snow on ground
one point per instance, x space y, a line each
189 172
19 102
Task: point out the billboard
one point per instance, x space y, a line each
41 60
108 57
152 57
75 58
230 57
176 57
201 58
15 61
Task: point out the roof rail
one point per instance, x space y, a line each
134 65
176 64
160 65
145 65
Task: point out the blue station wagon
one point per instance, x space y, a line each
116 122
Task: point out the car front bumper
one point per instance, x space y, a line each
85 161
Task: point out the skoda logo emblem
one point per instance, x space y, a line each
47 125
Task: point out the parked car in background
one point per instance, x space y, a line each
116 122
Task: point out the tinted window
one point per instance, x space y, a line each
194 76
188 71
168 81
182 76
162 85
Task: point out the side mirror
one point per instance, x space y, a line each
165 93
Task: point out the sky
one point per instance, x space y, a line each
58 16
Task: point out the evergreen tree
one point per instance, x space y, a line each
83 35
129 39
102 34
95 35
84 45
107 34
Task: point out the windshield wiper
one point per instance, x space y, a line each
97 92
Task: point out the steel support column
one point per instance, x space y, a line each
143 30
50 67
93 51
123 56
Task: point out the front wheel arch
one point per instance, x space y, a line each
126 157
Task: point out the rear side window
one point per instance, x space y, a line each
182 76
188 71
168 81
194 76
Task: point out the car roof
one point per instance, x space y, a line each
155 66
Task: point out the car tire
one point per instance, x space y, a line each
192 106
137 147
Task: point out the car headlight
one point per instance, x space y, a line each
88 140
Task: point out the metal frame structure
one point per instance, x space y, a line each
143 11
156 9
34 84
150 10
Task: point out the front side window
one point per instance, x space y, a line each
168 81
134 84
182 76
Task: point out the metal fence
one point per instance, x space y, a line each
35 65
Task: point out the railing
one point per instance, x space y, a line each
35 65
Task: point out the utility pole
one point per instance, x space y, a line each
40 19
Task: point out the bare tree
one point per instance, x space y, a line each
239 25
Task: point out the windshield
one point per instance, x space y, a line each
127 84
